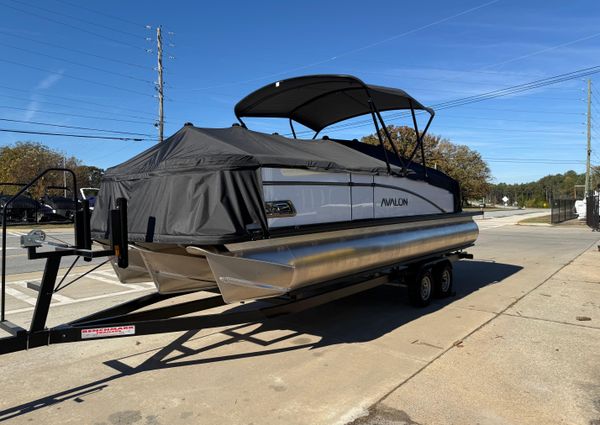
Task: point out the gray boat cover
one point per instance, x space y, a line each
203 185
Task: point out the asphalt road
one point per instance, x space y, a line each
508 348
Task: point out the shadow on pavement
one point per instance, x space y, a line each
359 318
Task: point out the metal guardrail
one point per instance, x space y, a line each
562 210
592 216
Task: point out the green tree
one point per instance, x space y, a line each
540 192
88 175
458 161
23 161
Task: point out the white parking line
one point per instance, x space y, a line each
111 275
21 296
22 283
111 281
106 273
81 300
61 298
13 233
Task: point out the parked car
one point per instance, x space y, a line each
62 207
23 209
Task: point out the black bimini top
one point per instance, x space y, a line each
318 101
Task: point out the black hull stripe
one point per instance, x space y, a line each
350 184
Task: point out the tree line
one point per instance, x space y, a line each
458 161
568 185
23 161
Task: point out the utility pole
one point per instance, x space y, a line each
64 176
159 85
589 137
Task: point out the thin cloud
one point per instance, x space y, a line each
49 81
31 110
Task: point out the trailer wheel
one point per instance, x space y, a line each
420 290
443 279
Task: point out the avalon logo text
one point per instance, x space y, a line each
394 202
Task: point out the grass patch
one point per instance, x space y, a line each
545 219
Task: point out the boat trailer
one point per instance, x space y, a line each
127 320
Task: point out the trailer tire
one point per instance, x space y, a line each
420 289
442 280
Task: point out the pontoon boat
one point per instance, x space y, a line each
258 215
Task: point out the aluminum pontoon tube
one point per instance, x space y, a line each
136 272
268 268
173 270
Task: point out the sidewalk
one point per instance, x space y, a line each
535 362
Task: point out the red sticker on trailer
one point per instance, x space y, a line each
109 331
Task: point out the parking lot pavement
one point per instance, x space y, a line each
537 361
97 285
512 346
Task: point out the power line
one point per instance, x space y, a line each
74 115
595 109
75 127
445 70
537 52
480 97
81 136
75 78
544 50
70 106
537 111
80 52
479 118
77 63
518 130
114 40
358 49
518 88
113 153
534 160
70 99
101 13
421 89
79 19
595 98
513 89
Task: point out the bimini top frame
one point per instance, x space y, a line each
318 101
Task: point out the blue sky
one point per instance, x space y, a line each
56 68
